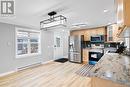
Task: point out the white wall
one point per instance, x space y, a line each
7 53
47 45
8 62
65 43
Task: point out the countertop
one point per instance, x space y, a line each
113 66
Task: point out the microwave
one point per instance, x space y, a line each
97 38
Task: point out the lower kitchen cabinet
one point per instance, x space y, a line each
86 55
98 82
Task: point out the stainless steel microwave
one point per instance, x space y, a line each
97 38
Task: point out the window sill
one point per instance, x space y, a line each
27 55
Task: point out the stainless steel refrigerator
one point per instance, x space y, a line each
75 49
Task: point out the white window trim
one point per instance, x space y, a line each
31 54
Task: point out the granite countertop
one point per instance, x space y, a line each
113 66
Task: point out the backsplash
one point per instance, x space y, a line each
88 44
115 45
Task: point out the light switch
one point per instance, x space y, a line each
8 43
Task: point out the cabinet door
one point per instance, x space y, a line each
93 32
73 33
85 55
120 13
97 82
86 36
123 12
110 33
100 31
116 38
127 12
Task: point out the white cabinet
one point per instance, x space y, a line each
112 31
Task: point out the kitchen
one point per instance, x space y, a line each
107 48
100 40
105 53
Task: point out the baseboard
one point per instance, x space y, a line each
13 71
47 62
29 66
65 56
7 73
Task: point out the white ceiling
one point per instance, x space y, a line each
31 12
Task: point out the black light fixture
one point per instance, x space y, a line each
52 13
53 21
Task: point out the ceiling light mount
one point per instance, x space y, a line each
52 13
79 25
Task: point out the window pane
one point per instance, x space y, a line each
34 37
22 37
57 42
34 47
34 41
22 49
22 43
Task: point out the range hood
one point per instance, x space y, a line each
125 33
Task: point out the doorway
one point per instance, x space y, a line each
58 45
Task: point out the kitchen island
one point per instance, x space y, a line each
114 67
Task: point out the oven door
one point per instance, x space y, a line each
94 57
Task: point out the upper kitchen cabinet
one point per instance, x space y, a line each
93 32
123 18
123 13
89 32
86 36
112 31
97 31
76 32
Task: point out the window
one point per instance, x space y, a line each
57 42
27 43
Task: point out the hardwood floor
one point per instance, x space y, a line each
49 75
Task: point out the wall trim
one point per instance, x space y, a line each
7 73
66 56
29 66
47 62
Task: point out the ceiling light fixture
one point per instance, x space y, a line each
80 25
109 23
105 10
53 21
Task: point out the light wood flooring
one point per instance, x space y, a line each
49 75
